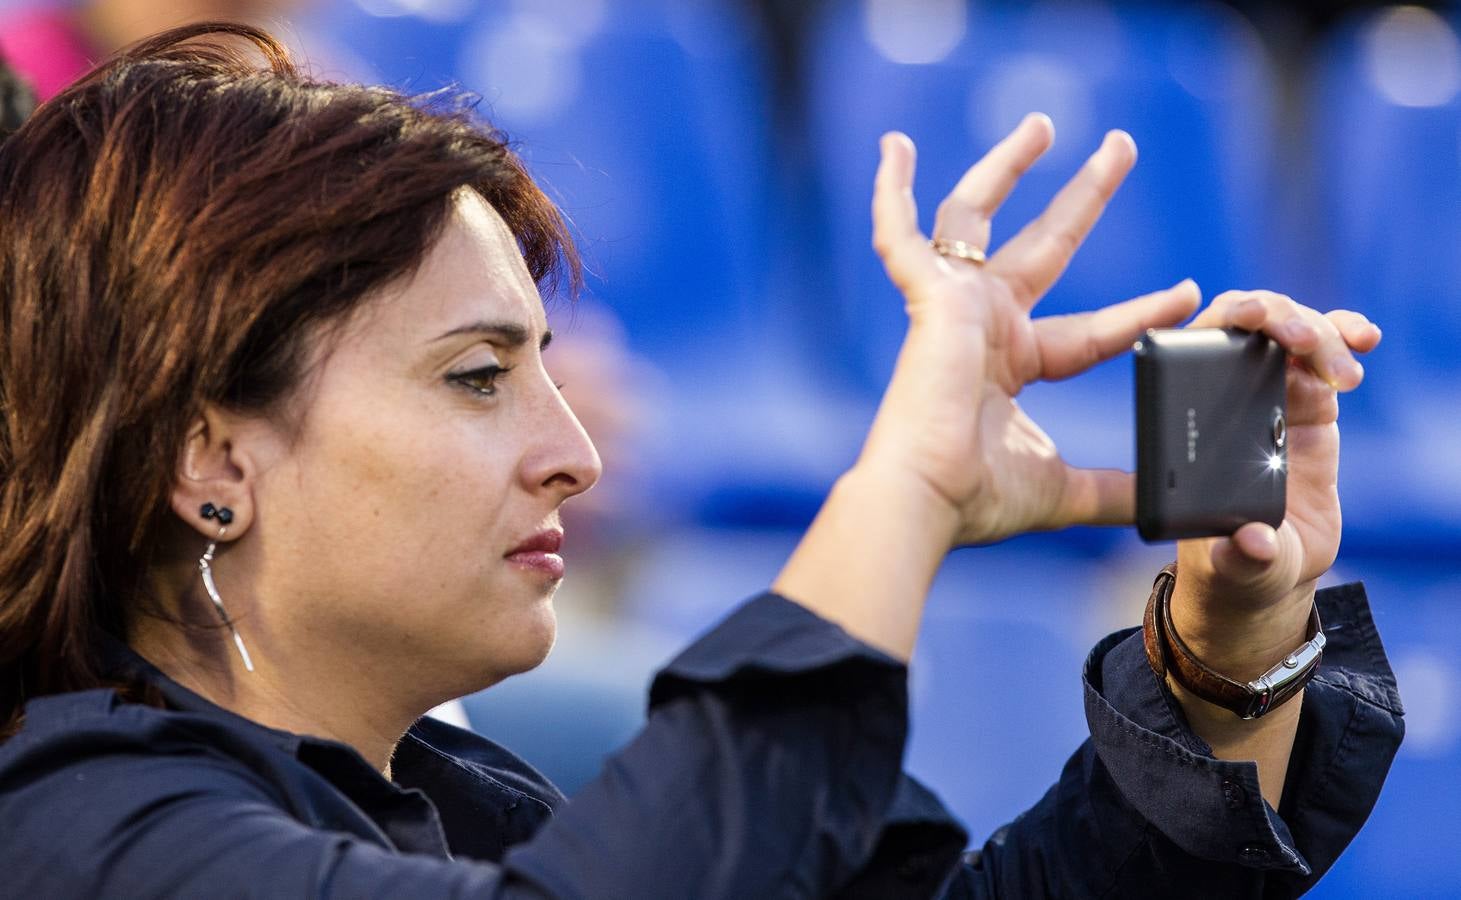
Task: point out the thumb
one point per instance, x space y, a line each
1250 562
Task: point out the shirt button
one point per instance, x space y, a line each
1253 855
1234 794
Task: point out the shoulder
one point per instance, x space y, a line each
86 770
86 762
87 726
67 739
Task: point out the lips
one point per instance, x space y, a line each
539 553
547 541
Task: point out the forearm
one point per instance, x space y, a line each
870 556
1243 644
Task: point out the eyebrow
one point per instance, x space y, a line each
511 334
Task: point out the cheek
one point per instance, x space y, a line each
394 514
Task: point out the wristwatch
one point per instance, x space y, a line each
1248 700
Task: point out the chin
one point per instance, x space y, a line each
538 641
532 638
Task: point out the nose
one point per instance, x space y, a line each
565 460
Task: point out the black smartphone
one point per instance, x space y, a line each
1211 434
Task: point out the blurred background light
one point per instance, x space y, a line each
915 31
526 72
440 11
570 23
1431 688
1035 82
1413 57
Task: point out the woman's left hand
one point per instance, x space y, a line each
1241 600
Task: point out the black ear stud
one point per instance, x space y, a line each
224 515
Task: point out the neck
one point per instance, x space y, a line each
281 693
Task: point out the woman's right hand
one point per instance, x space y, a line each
948 424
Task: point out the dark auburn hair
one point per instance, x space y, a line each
173 229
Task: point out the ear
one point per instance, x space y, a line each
215 467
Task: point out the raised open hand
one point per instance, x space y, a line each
949 417
1259 565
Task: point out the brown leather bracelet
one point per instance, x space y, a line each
1167 654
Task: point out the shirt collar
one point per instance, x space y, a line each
488 797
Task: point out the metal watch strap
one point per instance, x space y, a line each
1166 653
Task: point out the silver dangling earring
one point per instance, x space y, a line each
224 516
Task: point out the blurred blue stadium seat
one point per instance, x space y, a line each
1190 83
1387 133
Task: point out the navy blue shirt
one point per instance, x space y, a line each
770 766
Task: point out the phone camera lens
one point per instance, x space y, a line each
1280 430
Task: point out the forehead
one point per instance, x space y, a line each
474 271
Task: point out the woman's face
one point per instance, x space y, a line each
433 444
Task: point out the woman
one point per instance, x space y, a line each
282 470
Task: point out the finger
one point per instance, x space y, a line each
1097 497
896 238
1304 334
1035 257
965 213
1071 344
1359 333
1310 400
1234 309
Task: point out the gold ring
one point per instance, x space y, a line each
958 250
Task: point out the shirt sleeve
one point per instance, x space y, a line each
772 757
1144 809
767 767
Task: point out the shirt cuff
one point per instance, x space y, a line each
768 636
1349 730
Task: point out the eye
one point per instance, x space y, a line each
482 380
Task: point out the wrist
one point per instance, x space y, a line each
900 494
1239 640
